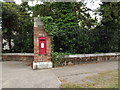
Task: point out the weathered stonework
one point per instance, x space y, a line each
38 58
68 59
87 58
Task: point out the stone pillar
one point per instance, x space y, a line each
41 60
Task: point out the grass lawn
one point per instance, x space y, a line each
108 79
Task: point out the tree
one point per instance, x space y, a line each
18 27
24 36
69 19
108 32
9 22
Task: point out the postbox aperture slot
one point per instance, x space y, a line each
42 39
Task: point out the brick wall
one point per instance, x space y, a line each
18 57
40 32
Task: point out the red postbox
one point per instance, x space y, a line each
42 45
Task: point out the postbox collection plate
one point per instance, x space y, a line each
42 45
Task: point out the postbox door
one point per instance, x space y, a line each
42 45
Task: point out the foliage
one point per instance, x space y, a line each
69 23
24 37
109 28
9 22
49 25
57 58
17 26
68 19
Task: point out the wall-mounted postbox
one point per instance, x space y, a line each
42 45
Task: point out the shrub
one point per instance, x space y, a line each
57 58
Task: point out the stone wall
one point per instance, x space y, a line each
87 58
68 59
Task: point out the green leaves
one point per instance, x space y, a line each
49 25
68 23
17 26
61 20
110 26
57 58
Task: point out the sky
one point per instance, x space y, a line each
89 4
92 4
29 2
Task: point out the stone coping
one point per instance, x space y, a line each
91 55
68 56
20 54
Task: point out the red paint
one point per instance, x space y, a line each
42 45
